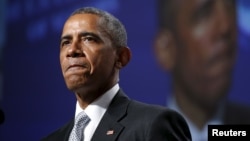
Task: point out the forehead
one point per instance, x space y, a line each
189 5
82 21
192 5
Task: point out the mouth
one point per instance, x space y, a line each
75 67
220 68
221 63
218 74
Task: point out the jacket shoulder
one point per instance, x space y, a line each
60 134
158 122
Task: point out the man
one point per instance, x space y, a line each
196 44
93 50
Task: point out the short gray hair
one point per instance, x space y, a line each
114 28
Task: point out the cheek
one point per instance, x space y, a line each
92 59
62 60
198 43
99 60
190 64
198 32
202 35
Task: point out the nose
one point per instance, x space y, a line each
224 33
226 18
75 50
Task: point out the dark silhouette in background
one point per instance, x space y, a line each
197 45
93 49
2 117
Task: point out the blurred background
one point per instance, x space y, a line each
33 94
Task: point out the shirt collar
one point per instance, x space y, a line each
100 103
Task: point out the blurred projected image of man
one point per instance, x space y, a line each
197 45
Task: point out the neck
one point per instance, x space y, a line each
85 100
197 113
87 96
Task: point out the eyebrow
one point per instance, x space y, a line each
204 5
81 34
66 37
201 8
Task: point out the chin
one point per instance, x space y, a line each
75 86
213 98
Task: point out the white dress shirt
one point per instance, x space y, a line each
96 110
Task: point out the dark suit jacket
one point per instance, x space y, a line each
133 121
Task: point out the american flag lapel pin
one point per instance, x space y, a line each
110 132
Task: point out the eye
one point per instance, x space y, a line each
231 2
231 5
90 39
65 43
204 11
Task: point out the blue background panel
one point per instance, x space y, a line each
34 96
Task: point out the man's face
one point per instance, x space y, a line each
206 47
87 56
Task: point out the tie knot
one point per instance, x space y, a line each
81 119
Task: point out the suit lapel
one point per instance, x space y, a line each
61 134
109 127
66 131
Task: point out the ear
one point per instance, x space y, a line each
124 56
165 50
